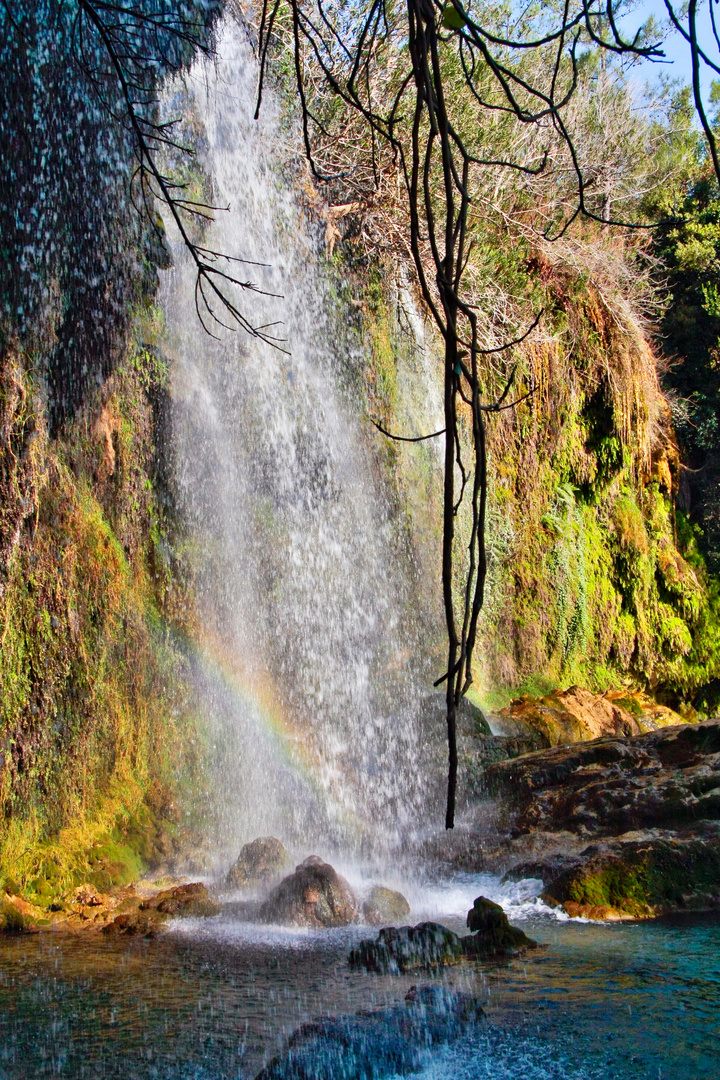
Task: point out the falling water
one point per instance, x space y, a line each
309 658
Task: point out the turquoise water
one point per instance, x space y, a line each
218 999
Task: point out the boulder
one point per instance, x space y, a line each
315 895
492 934
408 948
385 1042
258 863
385 906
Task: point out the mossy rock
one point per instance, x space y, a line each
408 948
492 934
17 916
12 921
644 878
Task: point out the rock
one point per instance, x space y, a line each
259 862
596 912
141 923
576 715
663 779
17 916
384 906
86 896
408 948
492 933
637 878
615 827
487 749
470 718
182 902
315 895
386 1042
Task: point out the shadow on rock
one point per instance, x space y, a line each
390 1041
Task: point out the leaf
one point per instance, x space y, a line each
452 19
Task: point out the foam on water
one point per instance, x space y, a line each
442 900
495 1054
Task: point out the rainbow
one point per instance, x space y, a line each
258 697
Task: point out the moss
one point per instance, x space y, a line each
645 878
94 720
603 581
622 887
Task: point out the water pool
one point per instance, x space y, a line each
216 999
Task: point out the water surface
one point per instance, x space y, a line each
216 999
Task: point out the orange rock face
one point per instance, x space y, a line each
576 715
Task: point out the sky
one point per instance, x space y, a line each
676 48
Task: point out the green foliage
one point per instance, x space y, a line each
604 583
688 243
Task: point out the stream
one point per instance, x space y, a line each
217 999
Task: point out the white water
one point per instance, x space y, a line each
447 901
305 658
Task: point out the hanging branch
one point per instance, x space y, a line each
133 39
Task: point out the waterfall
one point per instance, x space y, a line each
311 657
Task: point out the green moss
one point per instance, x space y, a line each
645 878
618 886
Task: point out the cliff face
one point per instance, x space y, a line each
92 687
602 579
94 699
595 576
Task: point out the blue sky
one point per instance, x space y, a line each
676 48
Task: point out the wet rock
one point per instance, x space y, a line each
258 863
135 923
664 779
470 719
315 895
487 749
182 902
393 1041
649 805
384 906
595 912
408 948
491 933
